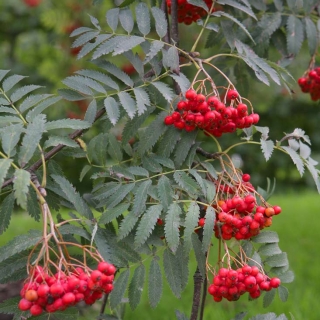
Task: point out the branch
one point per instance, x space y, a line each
197 280
203 300
208 155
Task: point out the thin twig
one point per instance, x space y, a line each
208 155
197 280
104 304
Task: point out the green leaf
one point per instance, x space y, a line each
245 8
19 244
268 298
165 192
186 183
164 90
121 193
4 167
269 249
33 206
10 137
6 209
105 245
120 287
69 314
179 315
114 148
168 142
32 100
255 260
267 147
112 109
135 61
191 222
136 286
266 237
112 17
126 19
155 47
208 228
79 31
41 107
99 76
84 38
91 112
296 159
278 260
152 134
154 283
182 81
143 18
267 26
71 229
11 81
78 84
183 260
128 103
199 3
166 162
109 46
143 100
73 196
3 73
295 34
160 20
95 22
283 293
139 171
55 140
31 139
70 95
171 59
111 214
171 227
172 271
312 35
140 198
21 186
132 42
127 225
287 277
21 92
184 146
200 256
115 71
10 306
97 148
67 124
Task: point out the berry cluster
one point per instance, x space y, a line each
311 83
57 292
240 216
188 13
231 284
210 114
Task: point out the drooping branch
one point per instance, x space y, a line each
197 281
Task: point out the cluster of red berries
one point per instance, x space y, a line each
188 13
52 293
231 284
311 83
210 114
240 216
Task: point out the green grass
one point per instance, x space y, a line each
298 227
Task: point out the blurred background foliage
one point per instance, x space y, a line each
34 41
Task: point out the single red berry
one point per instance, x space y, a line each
201 222
191 94
246 177
56 290
200 98
159 222
182 105
232 94
168 120
43 290
36 310
111 270
277 210
68 298
95 275
275 282
24 304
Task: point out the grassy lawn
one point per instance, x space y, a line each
298 228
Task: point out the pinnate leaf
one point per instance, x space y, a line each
208 228
165 192
127 225
186 182
11 81
6 209
154 283
136 286
143 18
4 167
21 186
267 147
171 227
120 287
191 222
296 159
112 109
160 20
266 237
127 103
141 194
295 34
74 124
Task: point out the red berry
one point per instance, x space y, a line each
35 310
232 94
201 222
24 304
56 290
168 120
277 210
111 270
43 290
32 3
68 298
31 295
246 177
275 282
191 94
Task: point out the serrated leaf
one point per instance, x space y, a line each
6 209
182 81
154 283
296 159
160 20
112 17
21 186
287 277
135 61
79 31
191 222
295 34
127 225
245 8
31 139
183 260
168 142
11 81
164 90
70 95
255 260
127 103
171 58
55 140
94 21
126 19
184 146
3 73
267 147
76 83
269 249
114 148
97 148
140 198
104 245
143 100
121 193
10 306
200 256
172 272
266 237
113 213
136 286
19 244
112 109
21 92
199 3
155 47
305 150
90 46
186 183
139 171
312 35
268 24
165 192
115 71
67 124
4 167
143 18
171 227
152 134
84 38
71 229
99 76
268 298
120 287
283 293
91 112
247 247
147 224
130 43
208 228
278 260
73 196
166 162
